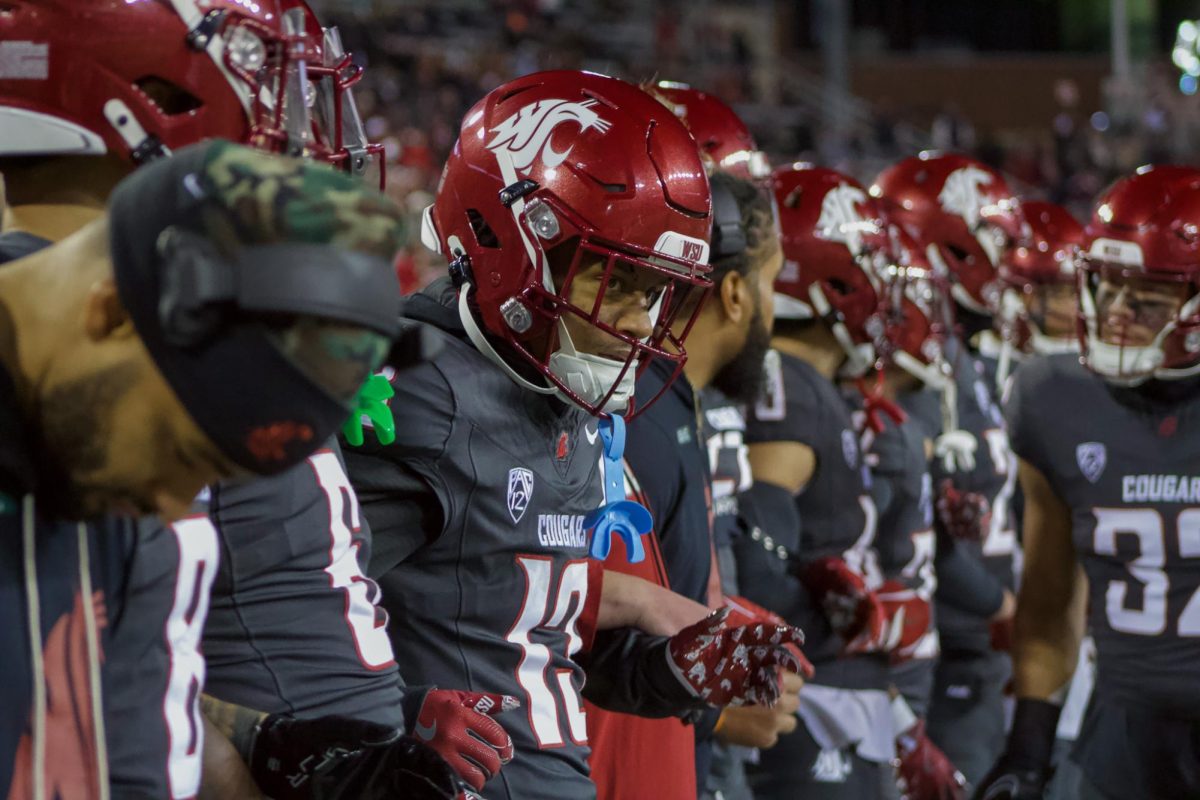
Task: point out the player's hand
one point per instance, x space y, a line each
745 612
459 726
908 619
755 726
339 758
854 611
733 666
925 773
1006 782
963 515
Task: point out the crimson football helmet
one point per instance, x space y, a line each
835 248
916 313
142 79
963 214
723 138
1044 257
572 169
1143 240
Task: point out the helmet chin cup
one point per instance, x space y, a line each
605 383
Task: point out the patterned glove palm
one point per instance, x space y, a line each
908 619
853 610
459 726
733 666
925 773
745 612
339 758
963 515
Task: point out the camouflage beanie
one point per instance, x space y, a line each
263 288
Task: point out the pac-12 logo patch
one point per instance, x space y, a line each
520 490
1091 457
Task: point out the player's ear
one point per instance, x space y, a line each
736 301
104 316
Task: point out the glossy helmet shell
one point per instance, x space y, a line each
574 159
1145 226
723 137
962 212
142 79
834 247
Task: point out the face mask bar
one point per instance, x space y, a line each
1173 351
339 127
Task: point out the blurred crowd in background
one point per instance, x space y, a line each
430 61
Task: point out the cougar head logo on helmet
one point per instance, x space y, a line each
1138 278
526 134
842 220
961 212
575 212
143 79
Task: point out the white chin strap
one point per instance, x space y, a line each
1124 365
929 374
859 357
1044 345
484 346
588 376
591 377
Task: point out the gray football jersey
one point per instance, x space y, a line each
498 599
723 428
1129 471
838 513
994 476
903 493
294 625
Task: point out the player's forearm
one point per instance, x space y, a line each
1046 640
630 602
237 724
1051 607
225 775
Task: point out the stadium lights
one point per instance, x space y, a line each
1186 54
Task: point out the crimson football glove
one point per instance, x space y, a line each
853 610
908 619
339 758
745 612
459 726
963 515
733 666
925 773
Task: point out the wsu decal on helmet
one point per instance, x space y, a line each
960 194
840 219
526 134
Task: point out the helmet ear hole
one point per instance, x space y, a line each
484 235
170 98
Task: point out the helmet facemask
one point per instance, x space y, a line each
566 252
1135 325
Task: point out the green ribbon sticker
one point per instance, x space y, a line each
371 403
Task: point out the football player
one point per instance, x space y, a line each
1111 508
669 465
116 371
1037 314
293 628
574 212
962 217
810 497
